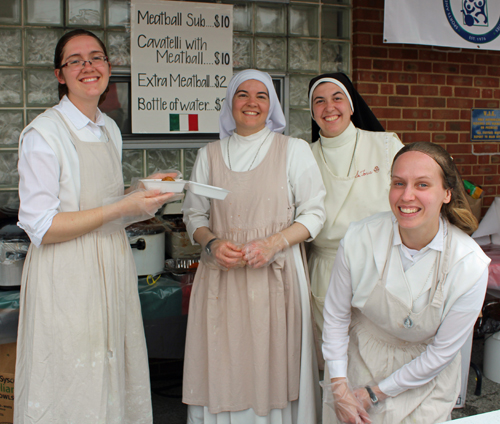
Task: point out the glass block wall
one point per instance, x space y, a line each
298 39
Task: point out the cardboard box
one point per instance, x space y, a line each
7 370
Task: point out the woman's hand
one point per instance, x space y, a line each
226 254
261 252
364 398
116 215
141 204
137 206
347 407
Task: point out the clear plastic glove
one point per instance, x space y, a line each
261 252
364 398
339 396
224 255
139 205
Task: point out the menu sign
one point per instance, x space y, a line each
181 54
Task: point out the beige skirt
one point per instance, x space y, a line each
82 355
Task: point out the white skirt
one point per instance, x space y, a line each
200 414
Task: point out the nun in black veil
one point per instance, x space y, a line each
354 155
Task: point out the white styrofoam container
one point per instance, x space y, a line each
164 186
207 190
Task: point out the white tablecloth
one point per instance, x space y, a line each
487 418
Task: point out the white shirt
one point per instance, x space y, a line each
39 172
305 185
452 334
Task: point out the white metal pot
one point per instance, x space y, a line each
491 367
149 251
14 245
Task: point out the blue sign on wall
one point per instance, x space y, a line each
485 125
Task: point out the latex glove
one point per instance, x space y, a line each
364 398
139 205
346 406
261 252
224 255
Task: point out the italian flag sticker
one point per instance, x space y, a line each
183 122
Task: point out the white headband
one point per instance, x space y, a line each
334 81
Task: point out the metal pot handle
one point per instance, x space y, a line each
140 244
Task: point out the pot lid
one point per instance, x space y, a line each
145 228
12 233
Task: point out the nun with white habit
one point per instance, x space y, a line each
250 355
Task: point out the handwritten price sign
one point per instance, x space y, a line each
181 55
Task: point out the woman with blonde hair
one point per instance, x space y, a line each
405 291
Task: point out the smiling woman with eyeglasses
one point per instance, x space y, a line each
81 354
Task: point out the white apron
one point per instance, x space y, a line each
81 356
380 344
348 198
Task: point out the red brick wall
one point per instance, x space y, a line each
426 93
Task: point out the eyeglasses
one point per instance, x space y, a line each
78 63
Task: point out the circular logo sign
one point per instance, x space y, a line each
476 21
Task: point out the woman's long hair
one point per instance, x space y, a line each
457 211
58 55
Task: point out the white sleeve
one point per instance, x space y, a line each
307 186
450 337
196 209
337 316
39 173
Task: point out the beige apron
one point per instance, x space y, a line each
82 356
380 344
361 194
244 329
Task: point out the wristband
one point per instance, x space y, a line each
208 246
373 396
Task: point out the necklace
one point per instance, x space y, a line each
408 322
352 157
255 157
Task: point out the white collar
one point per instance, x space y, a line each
252 137
348 136
437 243
76 117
